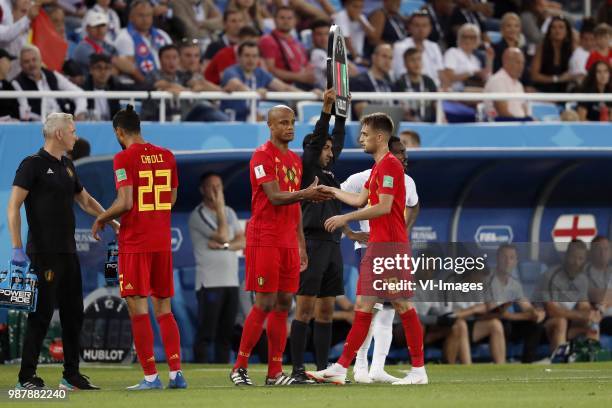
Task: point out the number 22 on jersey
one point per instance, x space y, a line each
156 183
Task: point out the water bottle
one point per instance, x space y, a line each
31 280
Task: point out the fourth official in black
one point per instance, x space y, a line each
322 280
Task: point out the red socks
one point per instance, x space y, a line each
143 340
355 338
414 336
172 340
277 339
253 326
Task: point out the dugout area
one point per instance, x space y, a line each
519 193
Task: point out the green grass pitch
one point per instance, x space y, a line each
481 385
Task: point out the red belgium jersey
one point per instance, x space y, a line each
273 225
151 171
387 177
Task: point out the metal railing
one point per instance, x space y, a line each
252 97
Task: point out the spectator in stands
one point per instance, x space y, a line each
508 80
96 26
410 139
522 321
318 52
140 41
114 23
170 78
96 42
253 12
233 21
463 67
433 64
189 56
376 79
81 149
15 26
100 78
201 18
532 18
284 56
355 28
74 72
33 77
216 235
57 15
248 76
468 12
439 12
309 10
511 37
564 290
550 65
228 56
9 108
414 81
578 60
389 25
597 81
602 50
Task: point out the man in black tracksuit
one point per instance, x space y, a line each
322 280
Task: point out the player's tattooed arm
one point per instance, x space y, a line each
122 204
314 192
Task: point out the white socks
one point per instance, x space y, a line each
173 374
151 378
361 361
383 336
381 330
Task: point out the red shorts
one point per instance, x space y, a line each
146 274
271 269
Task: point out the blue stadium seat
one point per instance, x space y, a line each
408 7
456 112
309 111
547 112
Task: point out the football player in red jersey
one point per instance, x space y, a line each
146 182
275 247
385 191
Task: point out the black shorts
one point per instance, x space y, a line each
323 276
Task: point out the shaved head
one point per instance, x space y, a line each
281 121
276 110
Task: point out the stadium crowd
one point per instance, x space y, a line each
280 45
